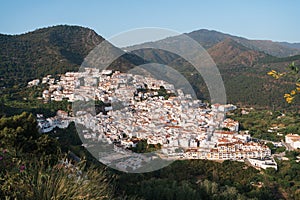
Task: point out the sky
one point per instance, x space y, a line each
276 20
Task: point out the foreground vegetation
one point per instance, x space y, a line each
43 176
30 168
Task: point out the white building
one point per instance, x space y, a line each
263 163
34 82
293 140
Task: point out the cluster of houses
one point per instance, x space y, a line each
184 128
61 120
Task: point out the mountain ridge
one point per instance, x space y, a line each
243 68
51 50
231 52
277 49
295 45
58 49
208 38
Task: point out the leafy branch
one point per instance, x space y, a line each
294 72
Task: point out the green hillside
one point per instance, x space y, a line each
52 50
58 49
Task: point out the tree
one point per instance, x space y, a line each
293 71
141 146
30 167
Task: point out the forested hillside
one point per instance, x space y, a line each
58 49
52 50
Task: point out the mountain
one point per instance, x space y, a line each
243 63
51 50
290 45
212 40
225 50
230 52
209 38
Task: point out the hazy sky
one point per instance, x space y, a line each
254 19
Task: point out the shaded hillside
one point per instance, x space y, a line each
51 50
48 50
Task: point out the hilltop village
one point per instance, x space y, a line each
137 108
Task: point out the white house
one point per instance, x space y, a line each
263 163
293 140
34 82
